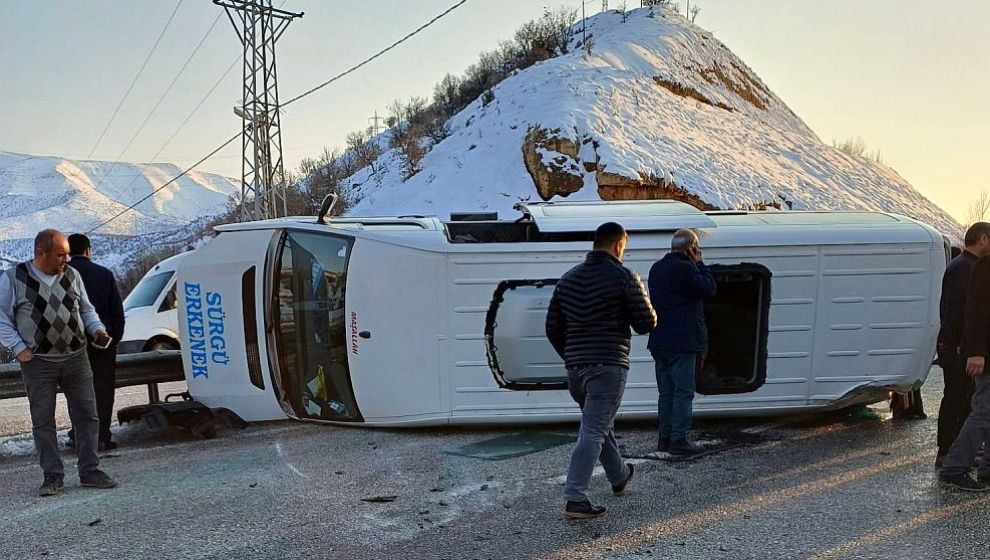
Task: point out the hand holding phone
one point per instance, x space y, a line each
102 340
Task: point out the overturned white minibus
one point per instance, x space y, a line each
416 321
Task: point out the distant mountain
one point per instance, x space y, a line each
38 192
652 107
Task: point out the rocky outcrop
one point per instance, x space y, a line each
617 187
553 163
558 167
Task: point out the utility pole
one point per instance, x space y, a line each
258 25
375 129
584 27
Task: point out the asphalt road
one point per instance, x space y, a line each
821 487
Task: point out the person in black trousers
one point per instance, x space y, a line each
958 391
975 432
101 287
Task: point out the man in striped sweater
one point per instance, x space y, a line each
588 321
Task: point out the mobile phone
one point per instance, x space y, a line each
102 342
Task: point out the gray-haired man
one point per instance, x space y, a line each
44 319
679 285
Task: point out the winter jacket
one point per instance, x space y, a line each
592 308
678 290
101 287
976 337
952 305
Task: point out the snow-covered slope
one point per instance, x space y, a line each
657 107
38 192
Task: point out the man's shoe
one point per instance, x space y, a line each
939 460
52 486
97 479
964 482
684 448
663 445
107 446
583 510
620 489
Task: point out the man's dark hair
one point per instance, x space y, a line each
976 232
608 234
45 240
78 244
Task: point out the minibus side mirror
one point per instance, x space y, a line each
328 203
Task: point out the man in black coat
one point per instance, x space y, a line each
103 293
592 308
952 308
679 285
976 430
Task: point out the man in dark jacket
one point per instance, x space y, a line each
592 308
102 290
952 309
679 284
976 430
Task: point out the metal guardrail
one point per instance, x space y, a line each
145 368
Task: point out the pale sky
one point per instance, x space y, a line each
911 77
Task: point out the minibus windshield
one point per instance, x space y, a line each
147 291
310 329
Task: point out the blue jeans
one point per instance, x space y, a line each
675 387
598 391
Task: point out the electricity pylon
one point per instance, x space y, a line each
258 25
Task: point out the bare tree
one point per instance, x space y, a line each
979 209
694 12
365 150
857 147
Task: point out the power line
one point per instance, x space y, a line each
136 76
189 117
159 102
378 54
170 181
294 99
183 124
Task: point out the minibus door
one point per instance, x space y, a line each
310 328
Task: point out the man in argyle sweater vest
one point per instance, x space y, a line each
45 317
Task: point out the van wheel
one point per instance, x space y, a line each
162 344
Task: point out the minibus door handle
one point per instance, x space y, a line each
365 334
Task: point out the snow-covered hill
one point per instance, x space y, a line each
655 108
38 192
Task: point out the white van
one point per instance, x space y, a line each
150 311
411 320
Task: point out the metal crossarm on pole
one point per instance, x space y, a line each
258 26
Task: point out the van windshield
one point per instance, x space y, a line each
147 290
310 328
